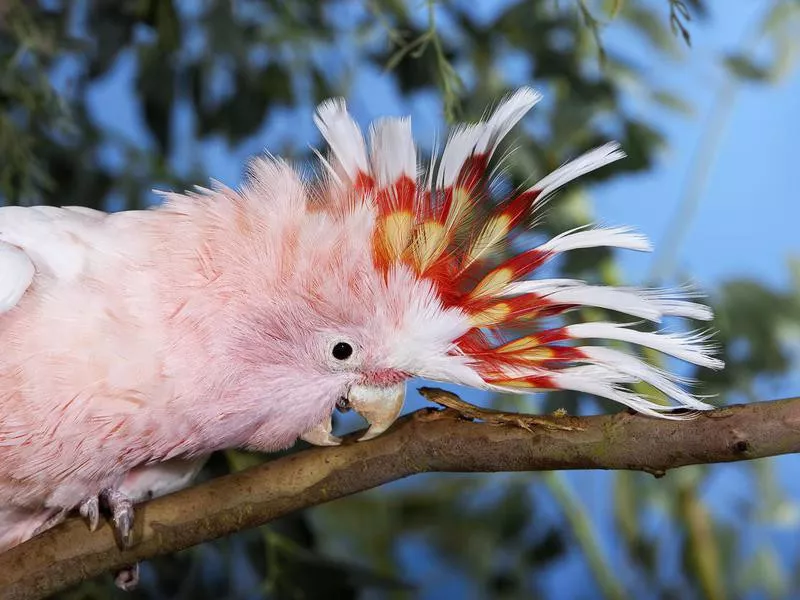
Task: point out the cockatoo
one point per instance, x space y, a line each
137 343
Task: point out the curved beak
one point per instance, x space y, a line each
380 406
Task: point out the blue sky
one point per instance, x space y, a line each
745 224
751 182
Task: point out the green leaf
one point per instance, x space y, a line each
745 68
672 101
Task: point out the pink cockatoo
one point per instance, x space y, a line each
137 343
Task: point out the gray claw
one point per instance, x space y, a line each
121 508
128 578
90 510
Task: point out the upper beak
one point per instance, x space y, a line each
380 406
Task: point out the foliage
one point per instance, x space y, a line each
219 76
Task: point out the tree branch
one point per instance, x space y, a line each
424 441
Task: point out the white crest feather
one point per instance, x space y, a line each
599 380
343 135
603 382
483 137
647 304
691 348
581 237
632 366
591 161
507 114
392 150
459 147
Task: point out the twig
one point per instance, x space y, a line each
496 417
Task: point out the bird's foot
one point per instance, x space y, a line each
128 578
120 508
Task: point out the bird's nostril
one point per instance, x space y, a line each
343 405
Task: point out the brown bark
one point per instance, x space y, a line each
427 440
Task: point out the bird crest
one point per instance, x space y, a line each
441 224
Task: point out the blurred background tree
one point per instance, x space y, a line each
103 100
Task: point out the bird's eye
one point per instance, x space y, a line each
342 351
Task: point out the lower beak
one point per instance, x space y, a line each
321 435
380 406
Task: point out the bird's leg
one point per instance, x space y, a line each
128 578
121 508
139 484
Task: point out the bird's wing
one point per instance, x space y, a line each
16 274
42 240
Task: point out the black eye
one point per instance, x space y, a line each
342 351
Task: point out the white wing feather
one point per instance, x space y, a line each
43 240
16 274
